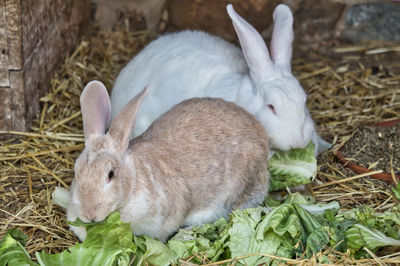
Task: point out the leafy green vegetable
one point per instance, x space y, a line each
292 168
318 240
12 251
243 237
396 191
298 199
297 227
108 243
320 209
207 240
287 230
387 222
153 252
359 236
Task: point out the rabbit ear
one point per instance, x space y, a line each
253 46
282 37
122 126
96 109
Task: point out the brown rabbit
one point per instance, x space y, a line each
196 163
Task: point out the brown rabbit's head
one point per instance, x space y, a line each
103 172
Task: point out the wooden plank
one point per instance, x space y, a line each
38 20
18 104
56 8
34 23
47 56
13 20
4 79
4 76
5 109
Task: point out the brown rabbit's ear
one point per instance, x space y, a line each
122 126
96 109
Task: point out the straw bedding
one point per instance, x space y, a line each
348 86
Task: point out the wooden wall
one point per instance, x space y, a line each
35 36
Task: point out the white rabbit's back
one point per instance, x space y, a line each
176 67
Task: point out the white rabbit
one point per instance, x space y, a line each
196 163
190 64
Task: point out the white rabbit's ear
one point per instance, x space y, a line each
96 109
253 46
122 126
282 37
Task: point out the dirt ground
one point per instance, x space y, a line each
375 147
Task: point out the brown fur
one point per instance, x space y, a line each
202 144
195 164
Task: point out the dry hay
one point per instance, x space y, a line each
351 86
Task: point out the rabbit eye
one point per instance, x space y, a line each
111 174
272 108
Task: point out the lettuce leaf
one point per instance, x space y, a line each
154 252
243 237
107 243
359 236
296 227
387 222
288 230
12 249
207 241
292 168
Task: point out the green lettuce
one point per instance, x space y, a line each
154 252
292 168
244 239
250 235
206 241
359 236
199 243
12 249
396 191
107 243
247 234
387 222
296 227
252 232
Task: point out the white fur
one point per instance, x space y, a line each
191 64
72 213
136 210
80 232
205 216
